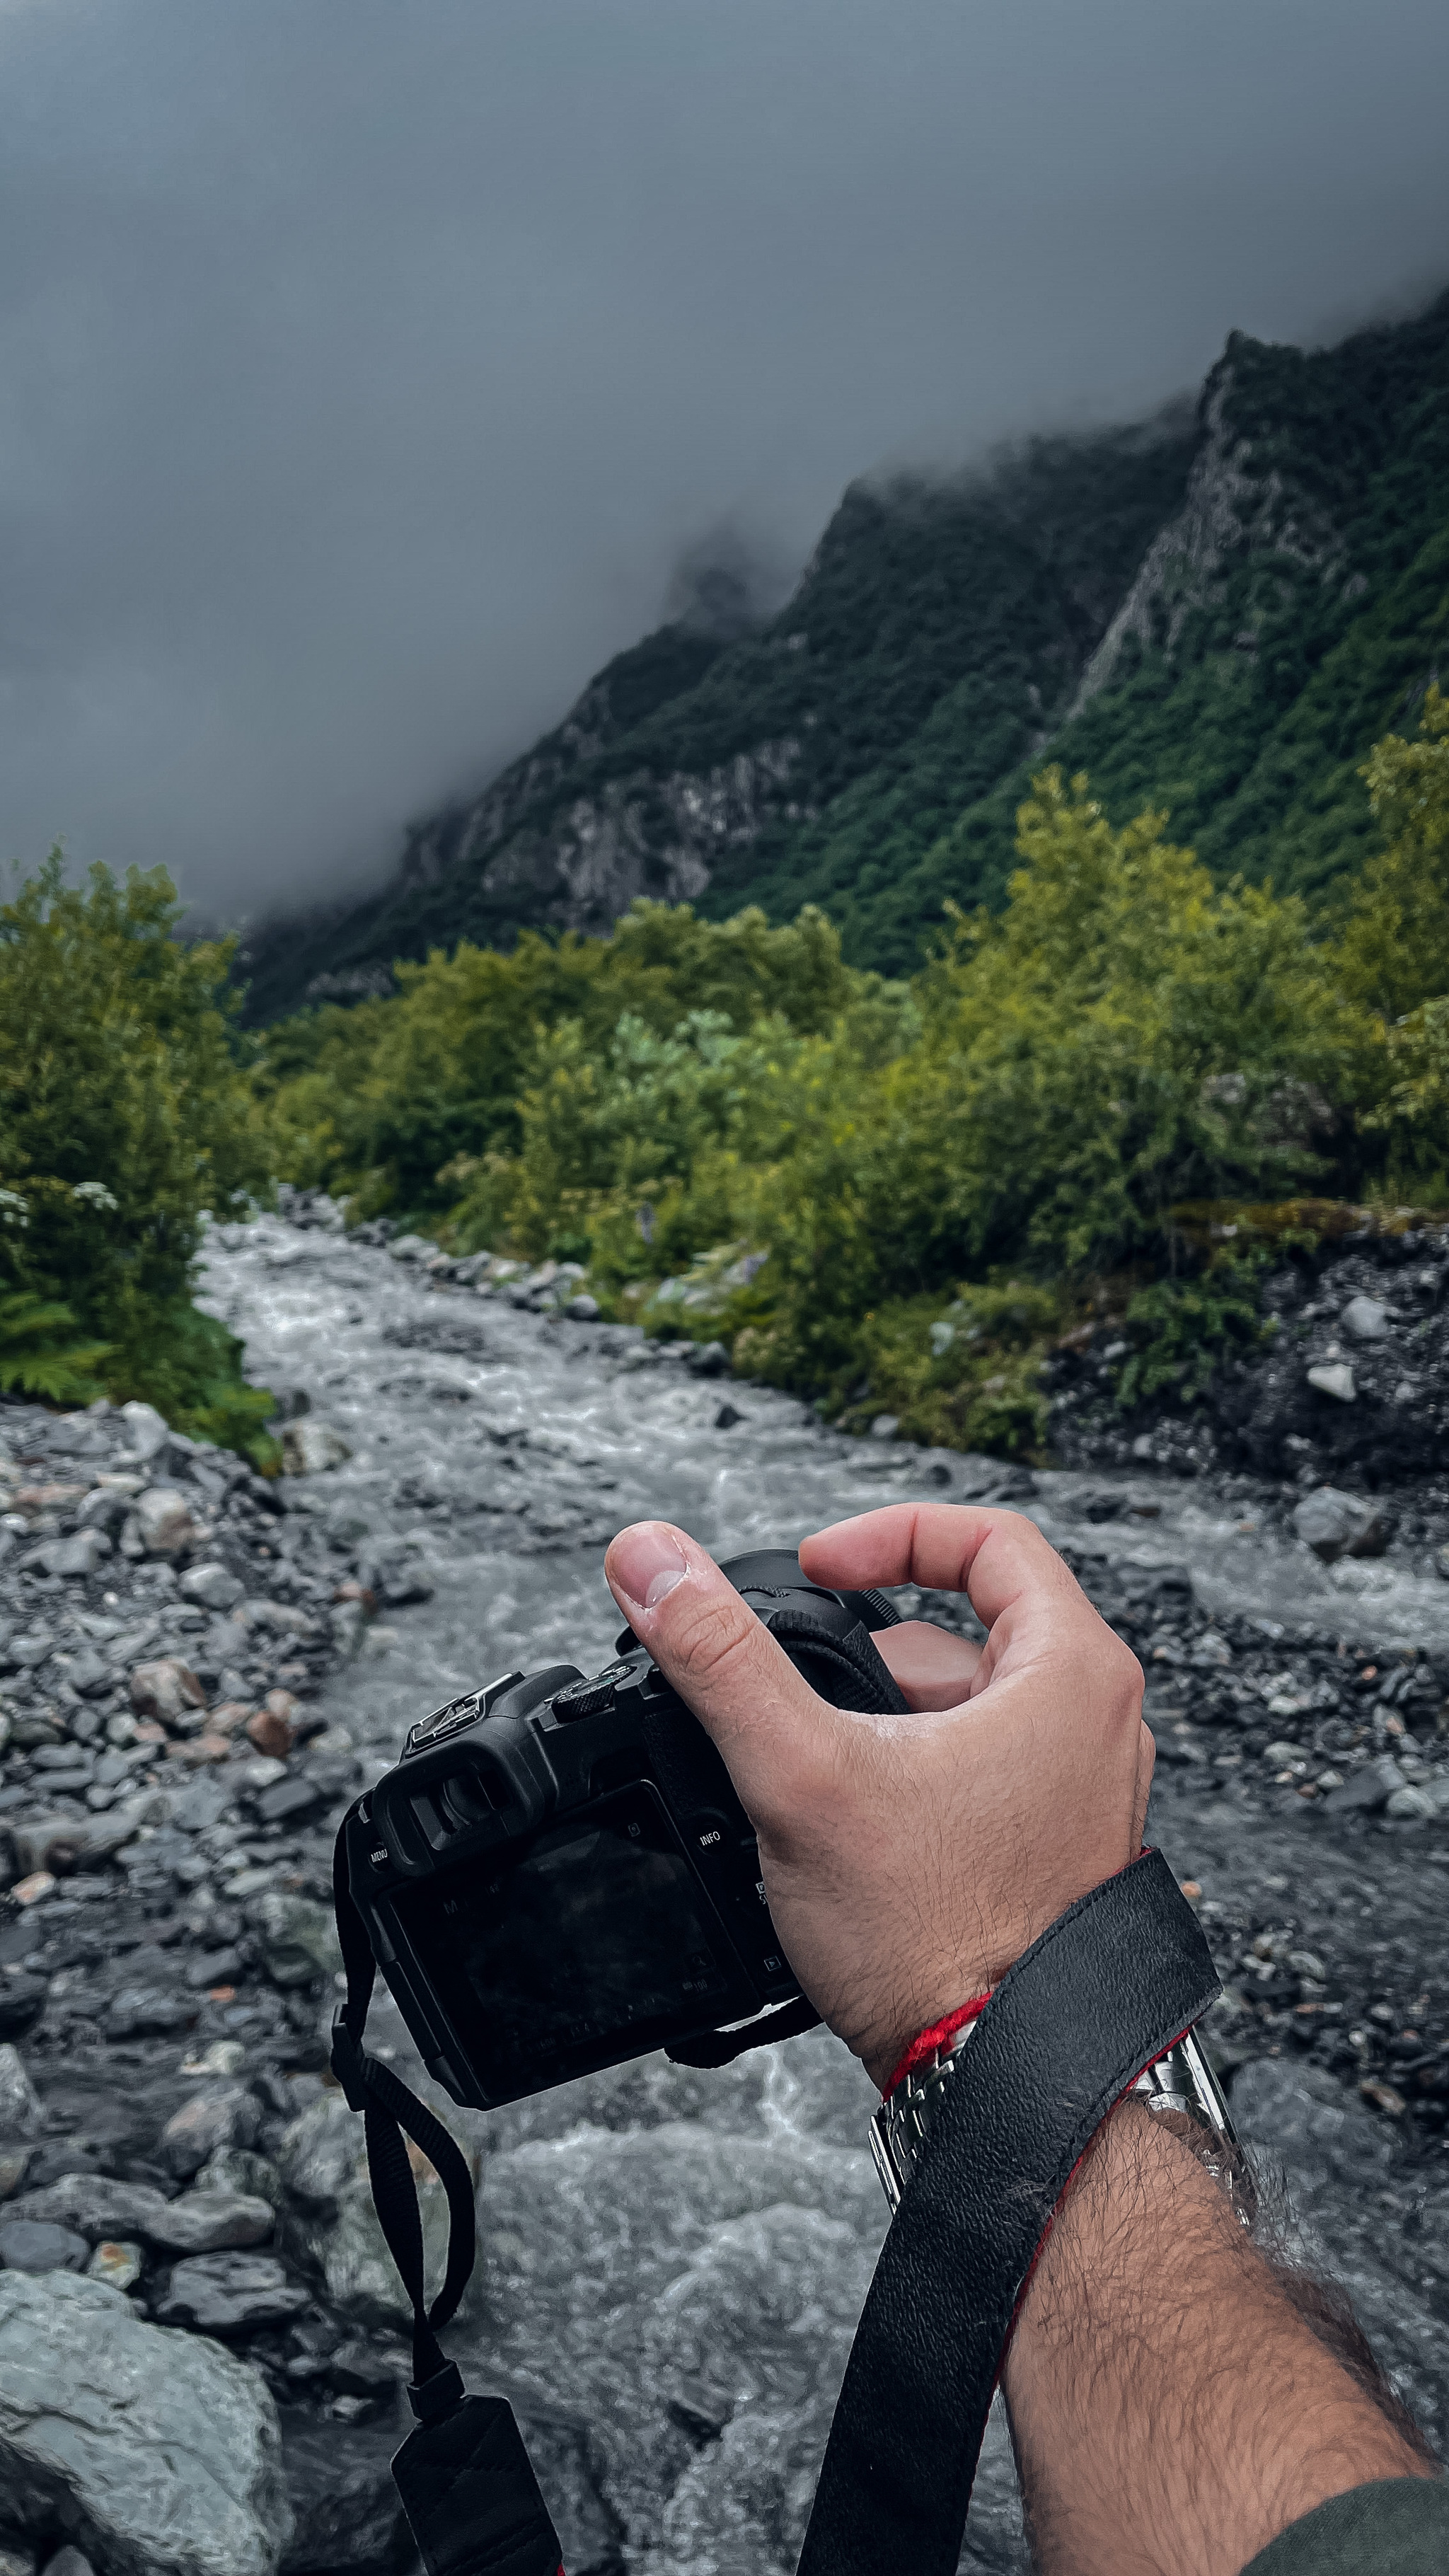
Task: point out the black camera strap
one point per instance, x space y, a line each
464 2476
1113 1983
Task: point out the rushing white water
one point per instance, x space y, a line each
673 2262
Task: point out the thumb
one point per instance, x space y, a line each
766 1720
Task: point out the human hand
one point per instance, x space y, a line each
909 1860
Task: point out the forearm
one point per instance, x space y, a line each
1171 2410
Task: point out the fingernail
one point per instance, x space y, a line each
645 1563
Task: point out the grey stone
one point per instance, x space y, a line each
212 1586
167 1689
1409 1803
1369 1789
1335 1378
149 2012
106 1509
583 1309
68 2562
164 1522
160 2453
87 1672
227 2294
346 2509
1366 1318
1334 1524
76 1557
21 2111
16 2558
64 1842
35 2245
200 2222
288 1801
884 1426
299 1938
225 2115
708 1359
312 1447
146 1431
16 2158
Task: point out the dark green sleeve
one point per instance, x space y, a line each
1396 2527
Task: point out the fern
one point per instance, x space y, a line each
35 1360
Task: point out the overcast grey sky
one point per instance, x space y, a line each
366 365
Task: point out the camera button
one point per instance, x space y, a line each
711 1837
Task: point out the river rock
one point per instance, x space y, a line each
148 1433
212 1586
226 2115
298 1938
1369 1789
1335 1524
1367 1318
230 2294
200 2222
62 1843
22 2114
346 2510
167 1690
1335 1378
270 1729
115 2262
77 1557
159 2452
311 1447
164 1522
33 2245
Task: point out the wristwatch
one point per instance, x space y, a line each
1180 2081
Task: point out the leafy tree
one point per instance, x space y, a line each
1395 951
124 1117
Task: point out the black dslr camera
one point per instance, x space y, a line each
558 1874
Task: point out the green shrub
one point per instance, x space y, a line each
40 1356
124 1117
1182 1329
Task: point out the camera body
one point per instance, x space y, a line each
558 1876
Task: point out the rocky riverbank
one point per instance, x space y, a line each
200 2333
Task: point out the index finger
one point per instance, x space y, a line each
995 1557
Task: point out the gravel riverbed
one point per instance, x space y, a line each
201 2339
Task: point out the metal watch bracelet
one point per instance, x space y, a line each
1180 2082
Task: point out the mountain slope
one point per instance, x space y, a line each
1214 612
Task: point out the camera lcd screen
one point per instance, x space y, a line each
592 1947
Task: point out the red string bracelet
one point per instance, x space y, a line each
928 2043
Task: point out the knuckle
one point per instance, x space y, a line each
709 1639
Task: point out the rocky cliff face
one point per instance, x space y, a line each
1238 503
1219 610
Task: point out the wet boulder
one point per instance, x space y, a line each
211 1586
164 1522
1334 1524
159 2452
346 2510
167 1690
225 2115
298 1938
230 2294
312 1447
200 2222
